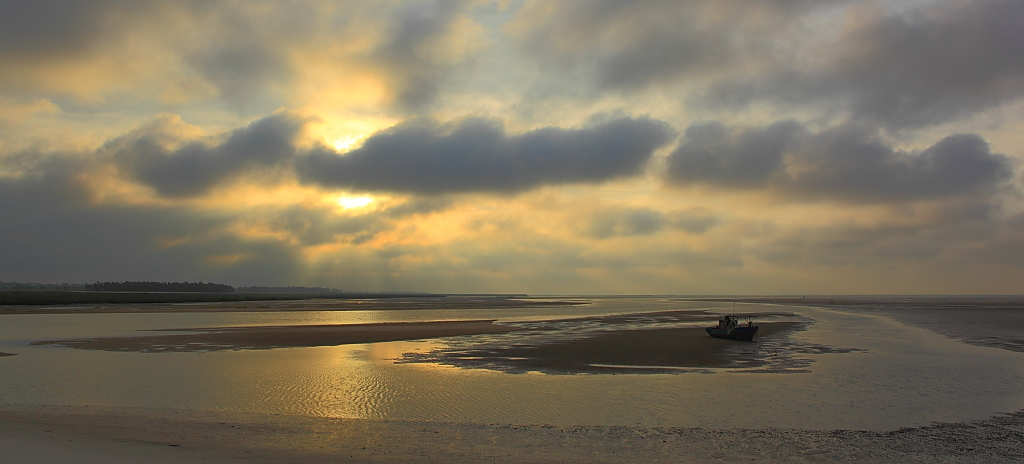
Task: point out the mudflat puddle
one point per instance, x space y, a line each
861 371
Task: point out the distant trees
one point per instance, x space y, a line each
182 287
37 286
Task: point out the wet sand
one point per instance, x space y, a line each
269 337
650 351
995 321
995 326
635 343
626 349
114 435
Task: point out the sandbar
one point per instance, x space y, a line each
268 337
328 304
651 343
636 350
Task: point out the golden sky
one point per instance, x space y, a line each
543 147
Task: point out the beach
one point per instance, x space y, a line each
109 435
641 345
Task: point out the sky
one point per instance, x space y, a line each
542 147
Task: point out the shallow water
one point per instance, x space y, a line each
904 376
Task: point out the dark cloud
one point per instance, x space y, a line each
953 233
630 222
848 163
236 52
629 46
896 66
903 70
852 165
626 223
417 206
475 155
53 233
244 68
694 220
45 29
414 67
714 153
248 54
195 167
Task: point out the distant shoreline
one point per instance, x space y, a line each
888 300
72 297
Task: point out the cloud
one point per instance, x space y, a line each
632 222
626 222
56 28
424 42
419 206
900 69
847 163
310 226
714 153
417 156
54 233
250 56
695 220
476 155
900 66
814 165
90 50
630 46
195 167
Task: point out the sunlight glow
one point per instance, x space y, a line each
347 142
354 202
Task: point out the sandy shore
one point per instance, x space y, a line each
115 435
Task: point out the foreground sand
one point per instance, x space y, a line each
108 435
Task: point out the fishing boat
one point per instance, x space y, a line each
729 328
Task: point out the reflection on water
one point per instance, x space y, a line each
904 376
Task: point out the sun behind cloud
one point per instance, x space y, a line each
354 202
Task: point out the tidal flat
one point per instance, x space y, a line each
601 379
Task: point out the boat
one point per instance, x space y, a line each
729 328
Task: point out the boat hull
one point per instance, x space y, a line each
744 334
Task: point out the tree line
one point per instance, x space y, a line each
142 286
